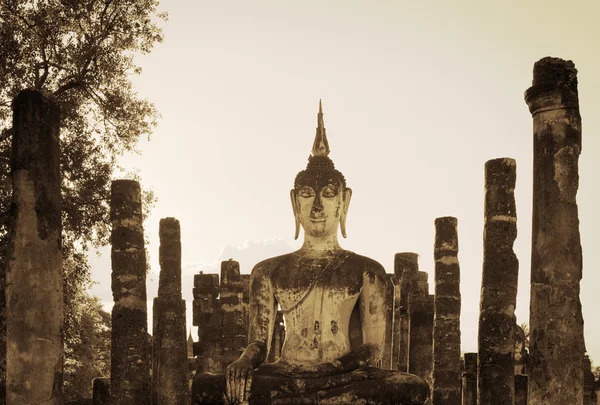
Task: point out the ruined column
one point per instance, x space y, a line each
406 266
556 342
469 380
420 353
446 323
496 381
101 391
235 332
130 366
207 317
34 284
521 383
169 313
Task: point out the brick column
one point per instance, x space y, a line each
130 365
446 323
496 371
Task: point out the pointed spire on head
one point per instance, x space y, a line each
320 146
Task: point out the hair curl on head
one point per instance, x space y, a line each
318 167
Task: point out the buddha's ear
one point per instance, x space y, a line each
345 205
296 212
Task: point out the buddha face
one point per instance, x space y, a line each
320 206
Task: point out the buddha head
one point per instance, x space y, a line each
320 198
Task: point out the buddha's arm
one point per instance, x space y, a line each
260 330
372 316
262 313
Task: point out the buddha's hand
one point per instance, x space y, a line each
238 381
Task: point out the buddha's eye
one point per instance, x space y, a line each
330 191
306 192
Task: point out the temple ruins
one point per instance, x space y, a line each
392 342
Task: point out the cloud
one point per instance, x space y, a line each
248 254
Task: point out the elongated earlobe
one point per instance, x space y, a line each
345 204
296 213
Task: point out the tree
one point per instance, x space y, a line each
87 351
80 52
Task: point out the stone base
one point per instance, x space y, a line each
367 386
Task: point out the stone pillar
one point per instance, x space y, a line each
406 266
235 332
556 340
207 317
521 382
169 313
496 381
420 355
130 366
469 380
101 391
446 323
34 284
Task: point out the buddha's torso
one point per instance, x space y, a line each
317 302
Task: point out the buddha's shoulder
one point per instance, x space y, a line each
366 265
269 265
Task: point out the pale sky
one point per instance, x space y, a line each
417 96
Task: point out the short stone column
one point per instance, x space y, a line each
556 341
496 382
34 284
406 266
446 323
101 391
207 317
420 355
130 366
469 380
169 313
521 384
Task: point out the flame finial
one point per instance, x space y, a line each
320 146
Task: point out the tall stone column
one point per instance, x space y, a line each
469 380
496 381
556 342
130 366
446 323
169 312
406 266
34 284
420 356
235 332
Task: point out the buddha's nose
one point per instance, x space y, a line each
317 206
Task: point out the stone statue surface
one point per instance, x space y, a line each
325 293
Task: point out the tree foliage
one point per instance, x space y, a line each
82 53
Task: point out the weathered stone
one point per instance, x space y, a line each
170 383
34 285
406 266
556 340
446 323
420 357
496 383
101 391
589 383
469 380
130 365
521 389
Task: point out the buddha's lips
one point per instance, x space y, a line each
318 219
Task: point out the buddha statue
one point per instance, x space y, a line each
325 293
